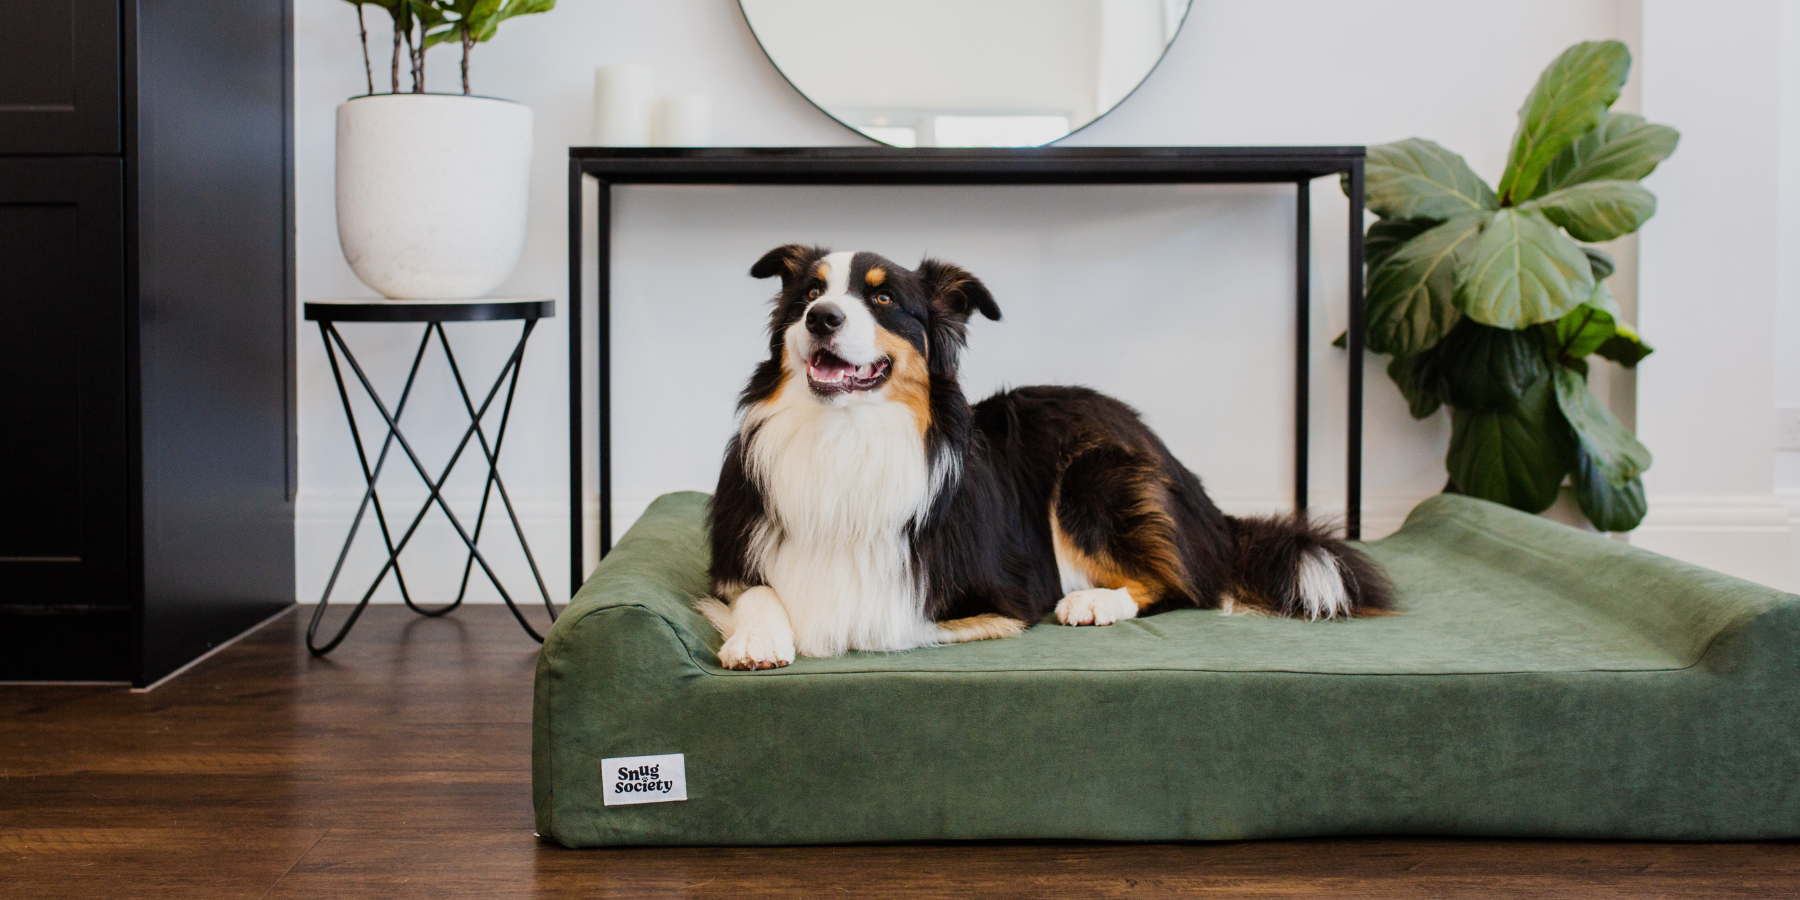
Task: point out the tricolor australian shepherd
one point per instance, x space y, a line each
865 505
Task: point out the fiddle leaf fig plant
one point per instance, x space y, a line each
424 24
1489 303
474 22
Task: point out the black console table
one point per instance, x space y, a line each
434 313
1025 166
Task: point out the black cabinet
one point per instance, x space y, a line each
59 76
146 332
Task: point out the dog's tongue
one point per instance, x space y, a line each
828 368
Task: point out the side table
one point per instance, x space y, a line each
433 313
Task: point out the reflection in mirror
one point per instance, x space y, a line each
965 73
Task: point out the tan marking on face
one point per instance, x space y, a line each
908 380
875 277
823 271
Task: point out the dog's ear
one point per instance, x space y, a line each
790 261
953 291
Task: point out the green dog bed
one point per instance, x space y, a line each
1538 681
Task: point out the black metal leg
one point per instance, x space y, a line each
492 455
436 487
1302 337
1353 448
508 378
370 498
603 287
387 443
577 524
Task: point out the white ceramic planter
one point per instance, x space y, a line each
432 191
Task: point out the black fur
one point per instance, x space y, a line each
986 545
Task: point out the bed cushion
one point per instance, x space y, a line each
1539 681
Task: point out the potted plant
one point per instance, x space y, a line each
1489 305
432 189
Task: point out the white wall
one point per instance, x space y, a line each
1787 306
1175 299
1706 398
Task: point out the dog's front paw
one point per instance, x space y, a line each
748 650
1097 606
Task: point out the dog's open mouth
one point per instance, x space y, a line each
826 373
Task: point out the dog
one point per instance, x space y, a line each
864 504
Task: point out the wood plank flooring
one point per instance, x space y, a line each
400 767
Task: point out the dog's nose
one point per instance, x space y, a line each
824 319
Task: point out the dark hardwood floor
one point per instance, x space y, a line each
400 767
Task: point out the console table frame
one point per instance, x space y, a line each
864 166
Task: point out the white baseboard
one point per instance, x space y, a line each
1748 536
1791 501
433 563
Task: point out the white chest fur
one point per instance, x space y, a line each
841 483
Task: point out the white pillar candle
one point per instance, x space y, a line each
684 120
622 106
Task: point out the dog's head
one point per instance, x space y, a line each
856 326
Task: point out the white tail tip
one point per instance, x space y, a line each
1320 583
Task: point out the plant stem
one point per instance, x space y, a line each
363 30
414 56
467 43
394 69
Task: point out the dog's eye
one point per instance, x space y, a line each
813 294
884 298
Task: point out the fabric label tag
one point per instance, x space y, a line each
644 779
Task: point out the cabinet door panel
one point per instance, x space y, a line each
59 76
62 385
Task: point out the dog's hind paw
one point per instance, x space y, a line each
746 651
1096 606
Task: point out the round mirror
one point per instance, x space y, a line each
965 73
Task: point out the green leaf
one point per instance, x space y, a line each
1387 235
1522 271
1409 298
1513 456
482 18
1616 452
527 8
1597 327
1342 341
1623 148
1569 100
1417 179
1591 324
1598 210
1626 349
1600 263
447 35
1609 460
1476 367
1420 401
428 13
1610 507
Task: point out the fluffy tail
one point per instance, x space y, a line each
717 613
1292 567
